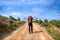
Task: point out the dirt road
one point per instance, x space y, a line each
23 34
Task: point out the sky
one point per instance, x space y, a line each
41 9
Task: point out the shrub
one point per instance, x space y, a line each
55 22
18 18
12 18
38 21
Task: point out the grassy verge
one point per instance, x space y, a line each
51 31
54 33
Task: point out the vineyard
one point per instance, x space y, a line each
52 27
8 25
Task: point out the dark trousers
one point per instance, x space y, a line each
30 28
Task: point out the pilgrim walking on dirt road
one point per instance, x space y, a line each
30 24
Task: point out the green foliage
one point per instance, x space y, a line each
5 28
18 18
8 25
12 18
46 20
3 18
55 22
45 23
38 21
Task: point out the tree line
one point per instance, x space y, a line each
46 22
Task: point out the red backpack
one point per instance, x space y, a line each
30 19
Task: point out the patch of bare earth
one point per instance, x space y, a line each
55 28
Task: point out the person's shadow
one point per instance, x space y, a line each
37 31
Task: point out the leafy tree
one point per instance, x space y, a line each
45 23
12 18
18 18
40 21
46 20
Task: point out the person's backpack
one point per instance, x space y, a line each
30 19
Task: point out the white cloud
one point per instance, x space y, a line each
16 14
